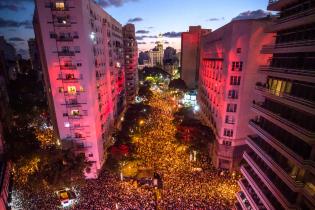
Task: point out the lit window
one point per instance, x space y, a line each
75 112
67 124
60 89
60 5
72 89
81 89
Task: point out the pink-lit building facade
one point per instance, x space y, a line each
131 62
190 55
82 56
229 59
279 166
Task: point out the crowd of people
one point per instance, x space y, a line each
157 148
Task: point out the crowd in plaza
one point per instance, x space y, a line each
157 148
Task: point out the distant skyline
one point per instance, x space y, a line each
151 17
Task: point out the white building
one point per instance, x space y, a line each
81 50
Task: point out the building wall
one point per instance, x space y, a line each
278 167
81 53
238 41
131 62
190 55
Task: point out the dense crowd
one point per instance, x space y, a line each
157 148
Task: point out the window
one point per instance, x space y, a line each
235 80
77 49
237 66
66 124
91 155
60 5
60 89
72 89
229 119
228 143
228 132
77 135
81 89
75 112
238 50
231 107
233 94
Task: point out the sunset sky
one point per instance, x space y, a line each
151 17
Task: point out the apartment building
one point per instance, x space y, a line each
81 51
230 57
156 55
279 167
190 55
131 62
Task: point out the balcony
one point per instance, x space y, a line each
285 195
251 195
286 47
299 100
243 201
68 67
70 78
285 142
303 17
261 189
290 73
276 5
289 171
65 38
66 53
297 122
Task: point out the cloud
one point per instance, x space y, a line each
142 32
215 19
172 34
257 14
136 19
10 6
142 43
150 27
115 3
5 23
16 39
145 36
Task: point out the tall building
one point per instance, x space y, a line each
35 59
156 55
5 166
190 55
279 168
8 60
131 62
81 51
230 57
170 60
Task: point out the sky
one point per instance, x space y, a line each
151 18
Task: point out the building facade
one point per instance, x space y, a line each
156 55
131 62
35 59
190 55
279 168
81 51
230 57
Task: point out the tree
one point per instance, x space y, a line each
144 91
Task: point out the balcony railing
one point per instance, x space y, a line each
276 160
68 67
290 143
301 100
261 188
251 195
286 70
271 179
66 53
303 126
